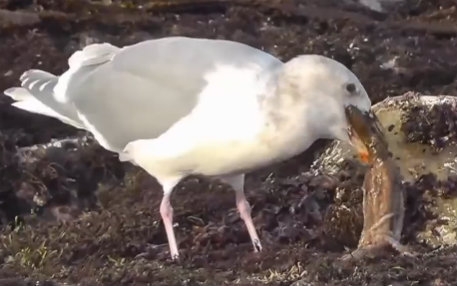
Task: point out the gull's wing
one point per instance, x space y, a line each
140 91
148 87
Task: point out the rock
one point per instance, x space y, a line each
9 19
413 125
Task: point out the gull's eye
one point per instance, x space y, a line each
350 87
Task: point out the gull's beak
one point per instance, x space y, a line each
359 146
363 126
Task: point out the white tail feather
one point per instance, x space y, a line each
26 101
17 93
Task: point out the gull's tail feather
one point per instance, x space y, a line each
37 96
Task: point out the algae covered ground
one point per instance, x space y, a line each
72 213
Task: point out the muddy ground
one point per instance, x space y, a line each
74 214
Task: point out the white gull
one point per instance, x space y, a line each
178 106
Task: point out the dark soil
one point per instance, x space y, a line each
75 214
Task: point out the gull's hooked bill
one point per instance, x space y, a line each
362 126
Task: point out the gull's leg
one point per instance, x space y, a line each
245 213
237 183
166 211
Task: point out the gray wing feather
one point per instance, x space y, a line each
148 87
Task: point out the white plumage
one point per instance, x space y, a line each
178 106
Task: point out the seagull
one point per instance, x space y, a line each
180 106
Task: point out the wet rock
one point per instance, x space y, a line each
412 124
9 19
58 179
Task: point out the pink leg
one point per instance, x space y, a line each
166 211
245 213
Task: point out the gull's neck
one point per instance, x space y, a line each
291 123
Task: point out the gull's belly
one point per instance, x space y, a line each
221 158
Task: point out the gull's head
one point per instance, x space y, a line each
325 88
